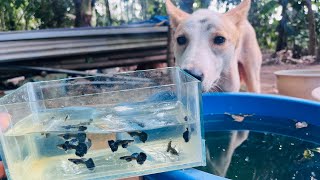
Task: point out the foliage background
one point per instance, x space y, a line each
281 23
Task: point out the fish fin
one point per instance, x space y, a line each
113 145
143 137
186 136
141 158
135 155
82 128
61 146
81 137
81 149
63 136
168 149
89 143
125 145
127 158
76 161
169 146
90 164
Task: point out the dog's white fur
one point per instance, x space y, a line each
221 66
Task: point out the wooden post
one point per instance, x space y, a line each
170 57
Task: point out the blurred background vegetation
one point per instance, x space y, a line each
280 24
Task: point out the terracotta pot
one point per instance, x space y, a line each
316 94
298 83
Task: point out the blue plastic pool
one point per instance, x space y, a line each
270 113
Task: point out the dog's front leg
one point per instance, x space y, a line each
219 158
231 78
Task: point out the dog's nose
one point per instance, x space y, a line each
198 75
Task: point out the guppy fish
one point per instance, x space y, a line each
88 162
46 135
80 147
115 144
68 144
140 157
142 135
79 127
186 136
66 118
86 123
171 149
81 137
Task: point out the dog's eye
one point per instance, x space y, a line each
219 40
182 40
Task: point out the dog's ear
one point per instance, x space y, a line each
176 15
239 13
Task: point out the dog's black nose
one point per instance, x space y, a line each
195 74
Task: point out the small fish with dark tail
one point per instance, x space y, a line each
83 147
46 135
171 149
80 147
88 162
81 137
143 137
115 144
79 127
73 142
68 145
82 128
186 135
86 123
139 157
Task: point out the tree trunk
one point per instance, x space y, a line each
126 5
133 15
318 55
11 18
187 5
143 4
282 27
83 12
205 3
26 26
2 20
312 29
121 13
108 13
77 5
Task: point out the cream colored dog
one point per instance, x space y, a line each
220 50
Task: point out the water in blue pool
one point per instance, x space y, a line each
273 149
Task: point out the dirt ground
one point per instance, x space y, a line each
268 79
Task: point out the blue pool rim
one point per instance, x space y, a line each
282 107
278 106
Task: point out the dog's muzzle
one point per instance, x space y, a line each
195 74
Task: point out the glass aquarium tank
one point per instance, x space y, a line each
103 127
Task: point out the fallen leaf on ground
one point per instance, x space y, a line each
300 125
238 118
